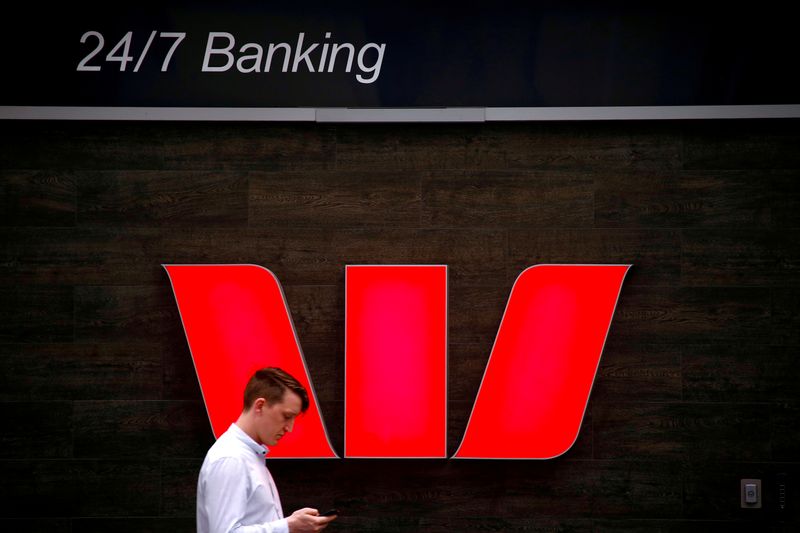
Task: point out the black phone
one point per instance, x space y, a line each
330 512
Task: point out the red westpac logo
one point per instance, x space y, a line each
534 390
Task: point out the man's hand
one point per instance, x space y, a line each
308 519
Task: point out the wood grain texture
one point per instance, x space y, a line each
162 198
334 199
654 254
475 313
691 315
140 429
742 258
128 256
638 372
124 313
445 489
466 365
725 372
37 198
33 313
76 488
696 388
761 144
179 375
712 491
66 371
688 526
697 199
36 430
325 363
488 524
317 312
573 146
458 413
134 525
333 418
507 199
400 147
784 433
674 431
165 146
70 256
36 525
178 487
321 256
785 319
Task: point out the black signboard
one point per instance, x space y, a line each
372 56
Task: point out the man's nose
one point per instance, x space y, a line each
290 425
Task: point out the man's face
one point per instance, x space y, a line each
274 421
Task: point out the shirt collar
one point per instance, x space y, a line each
240 435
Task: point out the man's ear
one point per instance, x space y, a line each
259 404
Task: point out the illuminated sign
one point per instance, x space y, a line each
532 398
236 321
396 361
543 363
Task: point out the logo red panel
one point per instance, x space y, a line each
536 386
534 392
236 321
396 361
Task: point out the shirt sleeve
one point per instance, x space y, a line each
225 500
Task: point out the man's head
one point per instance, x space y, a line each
272 401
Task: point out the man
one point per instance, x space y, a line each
235 491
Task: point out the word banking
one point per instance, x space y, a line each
306 57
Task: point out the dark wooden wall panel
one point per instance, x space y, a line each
105 428
170 198
75 371
33 198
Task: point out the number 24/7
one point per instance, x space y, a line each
121 51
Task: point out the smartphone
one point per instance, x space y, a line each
330 512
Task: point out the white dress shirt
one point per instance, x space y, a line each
235 491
